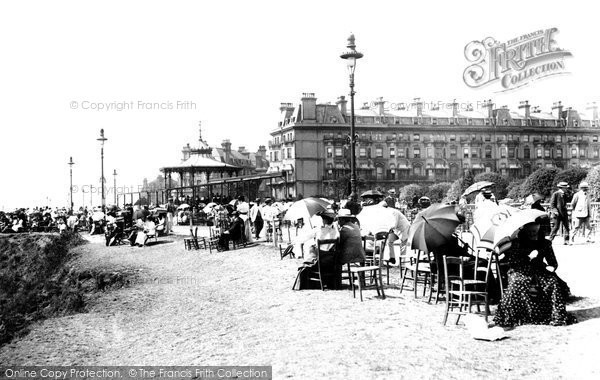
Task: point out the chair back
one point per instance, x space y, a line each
380 244
327 242
452 262
368 241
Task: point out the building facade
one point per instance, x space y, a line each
419 144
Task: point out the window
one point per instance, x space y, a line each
596 152
510 137
378 152
544 138
538 153
452 137
595 138
417 170
503 152
379 170
511 152
546 153
429 152
401 153
525 138
392 152
362 152
488 152
416 137
573 152
329 152
338 152
558 152
466 153
526 153
417 152
558 138
488 138
434 121
582 153
474 152
452 152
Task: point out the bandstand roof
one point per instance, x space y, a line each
196 161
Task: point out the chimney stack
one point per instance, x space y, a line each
559 107
454 108
309 106
380 106
419 104
525 104
342 102
226 145
490 107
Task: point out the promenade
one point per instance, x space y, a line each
237 308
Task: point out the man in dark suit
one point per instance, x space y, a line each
234 233
558 210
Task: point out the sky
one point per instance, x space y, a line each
229 65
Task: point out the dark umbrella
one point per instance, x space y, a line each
371 193
477 186
433 227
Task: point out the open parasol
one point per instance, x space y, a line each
484 229
510 228
305 209
477 186
433 227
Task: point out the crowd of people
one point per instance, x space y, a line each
533 292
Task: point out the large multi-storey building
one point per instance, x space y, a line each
415 143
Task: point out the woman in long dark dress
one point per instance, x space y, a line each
535 293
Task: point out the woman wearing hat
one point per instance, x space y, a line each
582 210
558 210
535 293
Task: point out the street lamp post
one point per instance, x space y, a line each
102 139
115 184
351 56
71 163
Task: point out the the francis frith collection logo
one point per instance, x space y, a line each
514 63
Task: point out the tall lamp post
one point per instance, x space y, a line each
351 56
71 163
102 139
115 184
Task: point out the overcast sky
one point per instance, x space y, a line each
235 61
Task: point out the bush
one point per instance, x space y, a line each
500 187
467 180
515 190
573 176
540 181
454 191
408 192
593 178
437 192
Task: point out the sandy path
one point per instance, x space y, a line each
237 308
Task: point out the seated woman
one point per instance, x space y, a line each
326 255
535 294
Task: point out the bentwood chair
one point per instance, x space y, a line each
326 276
461 293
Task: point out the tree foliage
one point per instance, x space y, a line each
540 181
437 191
515 190
500 183
573 176
468 180
454 191
593 179
408 192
